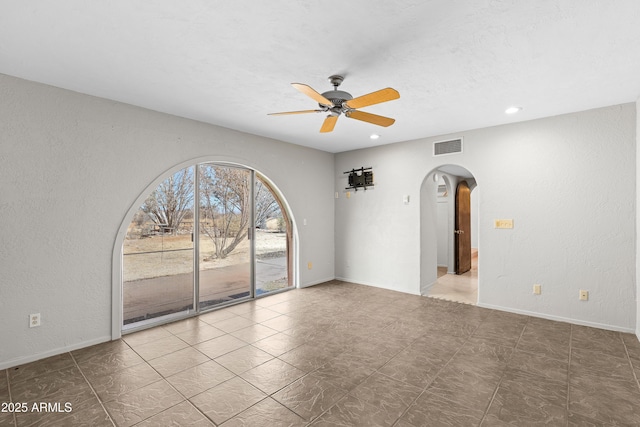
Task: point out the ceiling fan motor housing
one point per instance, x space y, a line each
337 97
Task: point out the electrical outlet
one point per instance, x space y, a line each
309 265
584 295
34 320
537 289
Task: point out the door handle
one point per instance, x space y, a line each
459 231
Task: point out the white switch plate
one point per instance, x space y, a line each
502 223
584 295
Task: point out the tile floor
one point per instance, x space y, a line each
340 354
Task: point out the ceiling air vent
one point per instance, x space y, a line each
452 146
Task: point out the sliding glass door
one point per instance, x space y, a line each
272 240
209 235
158 253
224 246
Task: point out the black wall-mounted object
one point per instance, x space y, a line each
360 178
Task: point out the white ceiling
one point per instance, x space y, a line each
457 64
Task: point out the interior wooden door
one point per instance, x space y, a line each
463 228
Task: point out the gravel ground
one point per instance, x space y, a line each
144 266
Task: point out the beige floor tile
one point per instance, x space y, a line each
267 412
87 353
278 344
200 334
280 323
433 409
216 347
146 336
68 382
309 396
254 333
200 378
112 385
394 397
182 414
138 405
228 399
351 411
272 375
217 315
184 325
160 347
7 418
243 359
233 324
261 315
105 363
178 361
39 368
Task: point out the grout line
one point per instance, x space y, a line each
163 378
92 389
495 392
15 420
569 371
633 371
424 390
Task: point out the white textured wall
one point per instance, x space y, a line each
443 231
568 182
71 167
637 218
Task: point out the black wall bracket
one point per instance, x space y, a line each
360 178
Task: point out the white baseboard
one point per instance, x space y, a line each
375 285
560 318
317 282
424 289
39 356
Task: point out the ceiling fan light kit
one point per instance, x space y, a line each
337 102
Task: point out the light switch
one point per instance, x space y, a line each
502 223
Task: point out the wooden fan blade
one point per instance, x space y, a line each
370 118
329 124
294 112
311 93
372 98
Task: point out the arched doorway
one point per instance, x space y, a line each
441 235
208 235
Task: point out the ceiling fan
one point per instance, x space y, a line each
337 102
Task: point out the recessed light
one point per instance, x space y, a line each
374 136
512 110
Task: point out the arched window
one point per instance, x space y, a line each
209 235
